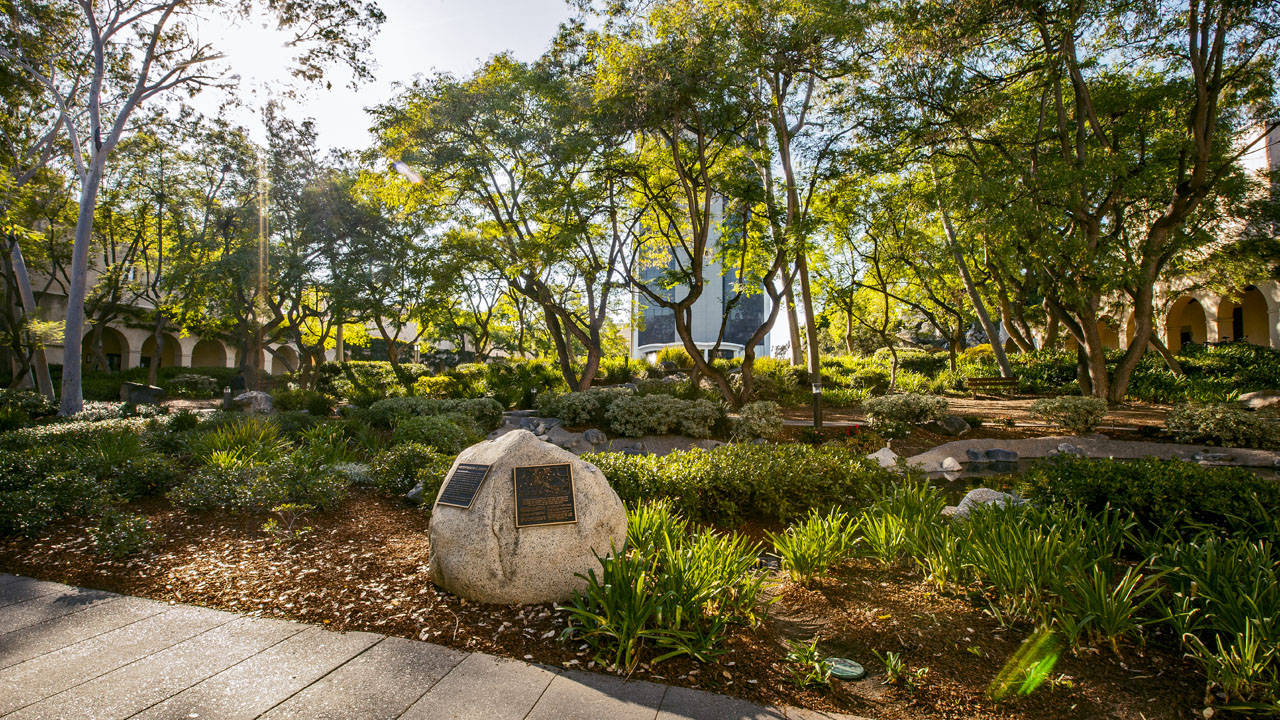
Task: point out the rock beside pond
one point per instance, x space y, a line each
885 457
1260 399
951 465
952 425
140 393
976 497
254 401
1001 455
1067 449
595 437
574 442
992 455
480 554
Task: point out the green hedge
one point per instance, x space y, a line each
1174 495
757 481
388 412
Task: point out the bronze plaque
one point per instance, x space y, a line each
544 495
461 486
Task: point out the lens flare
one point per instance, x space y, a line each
404 169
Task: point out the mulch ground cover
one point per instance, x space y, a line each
364 567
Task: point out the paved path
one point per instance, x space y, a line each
68 652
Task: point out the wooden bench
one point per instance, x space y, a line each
996 385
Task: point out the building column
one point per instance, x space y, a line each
132 359
1210 305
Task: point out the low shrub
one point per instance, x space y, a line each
121 534
99 411
324 443
579 408
808 549
313 401
637 415
777 380
28 402
1222 424
11 418
397 470
517 383
193 385
40 486
1075 413
1161 495
620 369
734 482
679 599
446 433
258 488
249 440
760 419
386 413
435 386
905 408
675 355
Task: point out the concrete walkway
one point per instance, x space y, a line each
68 652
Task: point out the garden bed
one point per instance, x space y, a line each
363 567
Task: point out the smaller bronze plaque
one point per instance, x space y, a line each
544 495
461 486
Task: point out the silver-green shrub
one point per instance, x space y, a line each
1222 424
761 419
1076 413
906 408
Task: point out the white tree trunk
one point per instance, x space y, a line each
72 394
39 361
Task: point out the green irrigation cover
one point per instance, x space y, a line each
845 669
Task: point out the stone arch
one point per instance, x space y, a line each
1186 323
284 359
1243 317
172 353
1110 337
115 347
209 353
1010 347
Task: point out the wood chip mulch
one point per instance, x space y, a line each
364 567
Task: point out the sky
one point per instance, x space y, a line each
418 37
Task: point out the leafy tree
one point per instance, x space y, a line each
516 148
122 54
1104 137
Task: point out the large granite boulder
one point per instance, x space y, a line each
254 401
977 497
141 394
480 554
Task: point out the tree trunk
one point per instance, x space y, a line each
1050 333
793 323
72 391
157 334
39 360
1169 358
811 335
1011 327
848 331
974 296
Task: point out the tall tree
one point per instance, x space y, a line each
519 147
124 54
